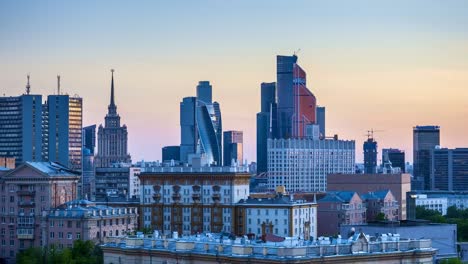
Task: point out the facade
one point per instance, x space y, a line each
281 216
112 138
82 219
213 248
321 120
112 182
395 157
266 124
233 145
442 236
21 127
88 179
425 139
7 162
89 138
191 201
339 208
449 169
302 165
134 182
296 104
27 192
201 127
171 153
381 202
75 133
398 184
436 200
370 156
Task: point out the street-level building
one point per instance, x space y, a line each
381 202
82 219
27 192
190 200
282 216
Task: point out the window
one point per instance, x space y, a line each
51 223
78 224
60 234
78 235
12 199
69 235
52 235
69 224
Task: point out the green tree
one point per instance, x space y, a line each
380 217
451 261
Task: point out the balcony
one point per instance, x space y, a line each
25 193
26 203
25 236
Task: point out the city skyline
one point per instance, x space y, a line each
405 70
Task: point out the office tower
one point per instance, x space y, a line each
88 180
266 123
112 182
112 138
296 104
321 120
89 138
204 92
425 139
302 165
394 157
62 130
201 126
20 127
233 147
370 155
171 153
188 128
449 169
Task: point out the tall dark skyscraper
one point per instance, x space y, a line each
112 138
425 139
449 169
171 153
21 127
370 156
233 147
321 120
201 126
296 104
89 138
266 123
395 156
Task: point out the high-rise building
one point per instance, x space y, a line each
21 127
233 147
188 128
302 165
75 133
370 156
201 126
449 169
395 157
112 138
266 123
89 138
425 139
321 120
296 104
171 153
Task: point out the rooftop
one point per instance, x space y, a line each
181 169
52 168
88 209
277 200
338 196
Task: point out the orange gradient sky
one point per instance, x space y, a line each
373 65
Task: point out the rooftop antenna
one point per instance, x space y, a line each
58 84
28 86
296 52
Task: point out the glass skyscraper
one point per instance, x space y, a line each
370 156
266 123
425 139
233 147
449 169
201 126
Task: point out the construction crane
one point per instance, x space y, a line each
370 133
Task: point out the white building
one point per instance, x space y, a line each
280 216
190 200
432 203
301 165
134 182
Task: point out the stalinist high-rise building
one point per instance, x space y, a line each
112 138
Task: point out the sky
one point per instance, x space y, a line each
382 65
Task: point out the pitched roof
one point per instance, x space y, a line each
375 195
338 196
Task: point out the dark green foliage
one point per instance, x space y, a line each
454 216
380 217
451 261
82 252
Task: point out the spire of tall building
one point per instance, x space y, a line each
28 87
112 106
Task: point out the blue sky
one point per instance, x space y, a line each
395 64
